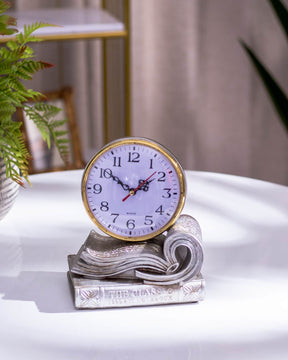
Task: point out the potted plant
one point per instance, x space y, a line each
17 63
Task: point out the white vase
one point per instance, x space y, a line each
8 191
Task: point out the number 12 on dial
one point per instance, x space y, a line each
133 189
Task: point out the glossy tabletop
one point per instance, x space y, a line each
245 312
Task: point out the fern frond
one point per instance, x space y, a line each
43 115
7 31
7 106
19 97
5 68
15 84
8 20
17 64
35 95
8 96
31 28
4 6
31 66
28 53
27 35
13 150
12 56
40 122
5 21
6 109
12 45
22 74
49 109
59 133
43 65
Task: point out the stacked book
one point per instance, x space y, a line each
107 272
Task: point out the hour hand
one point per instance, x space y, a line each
124 186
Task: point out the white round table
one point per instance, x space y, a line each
245 312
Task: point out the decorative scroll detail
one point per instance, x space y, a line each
165 260
183 250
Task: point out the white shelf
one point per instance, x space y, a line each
72 23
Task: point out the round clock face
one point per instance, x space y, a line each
133 189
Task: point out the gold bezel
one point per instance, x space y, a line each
156 146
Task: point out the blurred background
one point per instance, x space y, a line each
192 86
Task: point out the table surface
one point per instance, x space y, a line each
245 312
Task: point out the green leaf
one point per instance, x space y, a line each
277 95
8 20
43 116
29 29
13 150
17 64
4 6
281 12
16 84
34 95
21 73
8 31
59 133
5 68
5 21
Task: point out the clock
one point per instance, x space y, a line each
133 189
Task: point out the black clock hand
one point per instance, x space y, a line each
145 186
132 192
124 186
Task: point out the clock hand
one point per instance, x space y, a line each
133 191
145 187
124 186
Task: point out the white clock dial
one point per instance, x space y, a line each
133 189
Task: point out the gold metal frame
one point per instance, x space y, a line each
90 35
67 96
144 142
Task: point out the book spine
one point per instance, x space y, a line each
137 295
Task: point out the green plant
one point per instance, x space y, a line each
17 64
277 95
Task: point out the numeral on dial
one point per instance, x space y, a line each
160 210
97 188
162 176
148 220
104 206
133 157
106 173
117 161
130 224
142 172
115 217
167 194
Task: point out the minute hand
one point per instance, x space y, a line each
133 191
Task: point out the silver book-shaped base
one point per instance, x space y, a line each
107 272
111 293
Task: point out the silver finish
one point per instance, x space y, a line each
164 260
183 250
108 272
95 294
